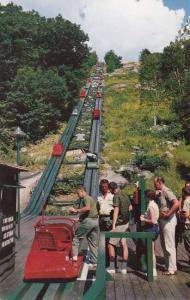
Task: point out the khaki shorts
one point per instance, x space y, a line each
119 228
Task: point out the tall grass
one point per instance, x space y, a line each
128 122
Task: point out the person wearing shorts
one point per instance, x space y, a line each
120 223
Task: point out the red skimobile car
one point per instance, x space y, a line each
51 251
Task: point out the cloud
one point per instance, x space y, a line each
126 26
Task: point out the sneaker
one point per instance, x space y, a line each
154 272
123 268
75 258
111 268
93 266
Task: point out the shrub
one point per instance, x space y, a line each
150 162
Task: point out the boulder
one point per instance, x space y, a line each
169 154
147 174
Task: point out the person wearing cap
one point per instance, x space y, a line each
120 223
168 205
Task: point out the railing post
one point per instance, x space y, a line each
98 289
142 196
141 245
149 260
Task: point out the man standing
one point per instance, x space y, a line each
105 211
105 206
168 205
88 225
120 223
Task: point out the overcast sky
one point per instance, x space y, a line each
126 26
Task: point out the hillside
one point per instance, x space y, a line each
134 143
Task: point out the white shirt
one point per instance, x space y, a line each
186 207
105 204
152 204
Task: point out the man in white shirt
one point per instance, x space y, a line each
105 206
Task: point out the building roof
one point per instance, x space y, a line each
12 167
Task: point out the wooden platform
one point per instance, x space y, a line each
133 285
22 248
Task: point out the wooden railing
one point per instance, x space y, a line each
98 289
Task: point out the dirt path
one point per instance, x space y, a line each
29 183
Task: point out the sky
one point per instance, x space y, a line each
125 26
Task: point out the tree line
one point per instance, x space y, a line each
166 75
43 64
112 60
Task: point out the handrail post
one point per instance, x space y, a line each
149 260
98 289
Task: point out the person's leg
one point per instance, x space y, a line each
125 249
162 241
92 238
111 251
78 237
169 237
187 242
112 257
154 259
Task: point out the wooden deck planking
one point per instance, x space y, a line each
22 247
128 288
131 286
119 288
164 287
110 290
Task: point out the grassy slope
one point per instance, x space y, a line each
128 123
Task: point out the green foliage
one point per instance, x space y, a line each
44 62
36 101
173 65
68 185
183 110
151 162
112 61
150 70
168 73
144 53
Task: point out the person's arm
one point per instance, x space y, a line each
173 209
185 212
130 207
98 207
80 210
115 216
151 219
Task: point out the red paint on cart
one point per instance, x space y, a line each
51 251
58 149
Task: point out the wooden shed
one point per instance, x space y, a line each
8 194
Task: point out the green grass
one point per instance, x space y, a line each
128 122
37 156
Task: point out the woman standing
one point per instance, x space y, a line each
151 221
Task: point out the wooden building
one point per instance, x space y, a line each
8 210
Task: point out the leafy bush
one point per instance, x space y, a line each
150 162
